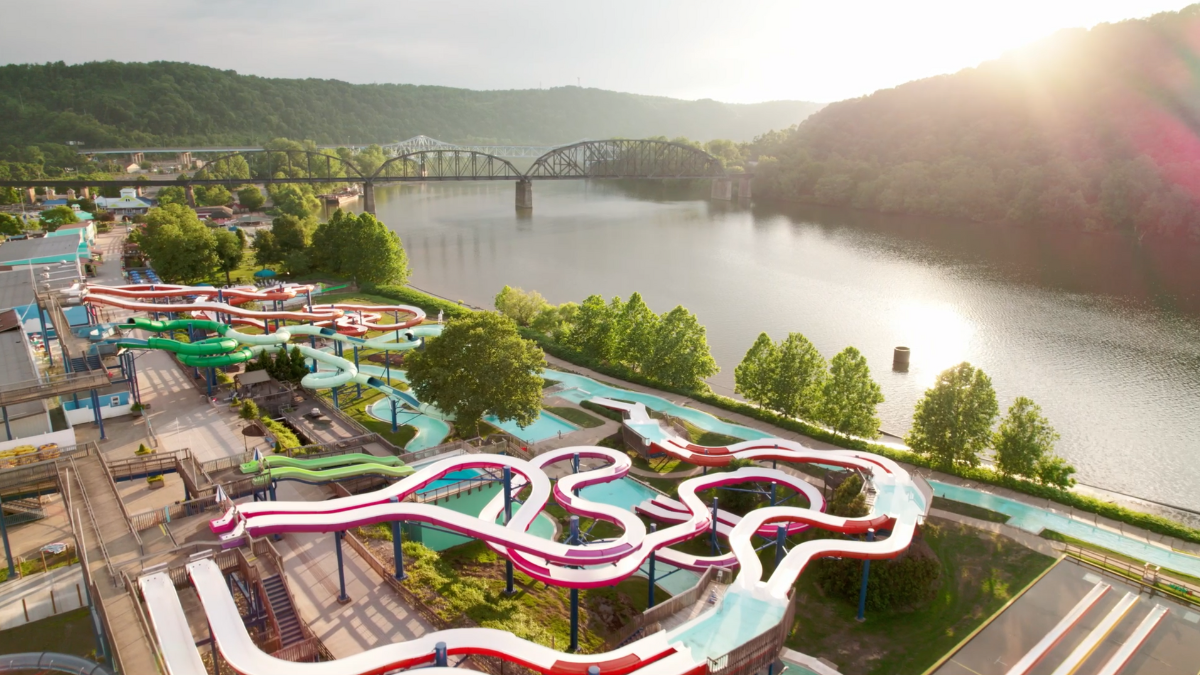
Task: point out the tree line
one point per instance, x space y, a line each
671 348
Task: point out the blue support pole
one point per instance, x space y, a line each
212 375
96 411
273 491
387 367
342 597
12 570
574 592
358 385
335 396
398 546
508 566
713 533
575 463
7 430
440 655
650 599
862 593
312 342
393 415
780 539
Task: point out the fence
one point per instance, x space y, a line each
1148 576
758 652
654 615
145 520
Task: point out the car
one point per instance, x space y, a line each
55 548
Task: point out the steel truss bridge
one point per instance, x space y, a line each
426 159
414 144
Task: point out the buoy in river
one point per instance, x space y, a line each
900 359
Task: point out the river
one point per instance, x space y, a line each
1105 336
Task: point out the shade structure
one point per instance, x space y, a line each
264 274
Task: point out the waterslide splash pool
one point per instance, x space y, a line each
546 426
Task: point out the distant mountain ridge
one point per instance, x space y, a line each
121 104
1086 130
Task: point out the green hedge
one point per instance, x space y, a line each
430 304
1146 521
284 438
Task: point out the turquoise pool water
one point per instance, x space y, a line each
580 388
431 431
739 618
471 504
546 426
1033 519
795 669
625 493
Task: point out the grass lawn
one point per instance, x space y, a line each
469 580
575 416
67 633
602 411
1057 536
663 464
969 510
357 408
980 572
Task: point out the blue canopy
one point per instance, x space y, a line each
264 274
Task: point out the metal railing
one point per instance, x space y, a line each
112 484
147 519
756 654
1147 575
92 517
51 385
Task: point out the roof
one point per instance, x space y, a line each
49 203
9 320
16 367
254 377
45 247
16 289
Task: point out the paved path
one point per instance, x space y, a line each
375 616
36 591
647 473
1043 546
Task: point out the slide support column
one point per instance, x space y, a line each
440 655
337 541
574 648
780 538
650 596
398 546
713 533
393 415
7 428
99 417
12 570
862 593
508 566
358 385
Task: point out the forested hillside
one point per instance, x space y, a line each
1086 130
116 104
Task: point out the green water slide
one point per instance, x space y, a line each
317 463
336 473
176 324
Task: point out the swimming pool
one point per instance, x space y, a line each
470 504
1033 519
431 431
580 388
546 426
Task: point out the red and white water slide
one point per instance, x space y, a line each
207 302
596 564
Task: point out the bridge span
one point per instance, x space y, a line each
607 159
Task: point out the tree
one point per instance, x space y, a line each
360 247
639 326
799 374
295 200
1054 470
848 500
54 218
680 356
1024 443
229 252
181 248
592 332
213 195
250 197
9 225
172 194
265 251
849 396
478 366
291 234
953 421
519 305
755 375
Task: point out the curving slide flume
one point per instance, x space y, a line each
316 463
319 476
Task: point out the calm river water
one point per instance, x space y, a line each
1104 336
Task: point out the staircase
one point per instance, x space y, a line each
289 623
23 511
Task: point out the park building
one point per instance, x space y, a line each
129 204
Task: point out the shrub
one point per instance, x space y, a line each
907 581
143 450
284 437
249 410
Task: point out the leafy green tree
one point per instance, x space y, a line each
1054 470
953 421
680 356
1024 439
799 375
213 195
360 247
9 225
295 200
479 366
639 329
229 252
556 321
849 396
265 250
593 330
519 305
54 218
754 377
172 194
848 500
250 197
181 248
291 234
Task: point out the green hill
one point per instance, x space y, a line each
121 104
1087 130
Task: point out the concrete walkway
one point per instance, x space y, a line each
375 616
1031 541
65 583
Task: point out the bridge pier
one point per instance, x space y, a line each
722 188
191 195
369 197
137 158
524 194
744 188
32 192
184 159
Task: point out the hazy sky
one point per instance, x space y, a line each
730 50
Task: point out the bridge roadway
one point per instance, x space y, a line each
414 144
